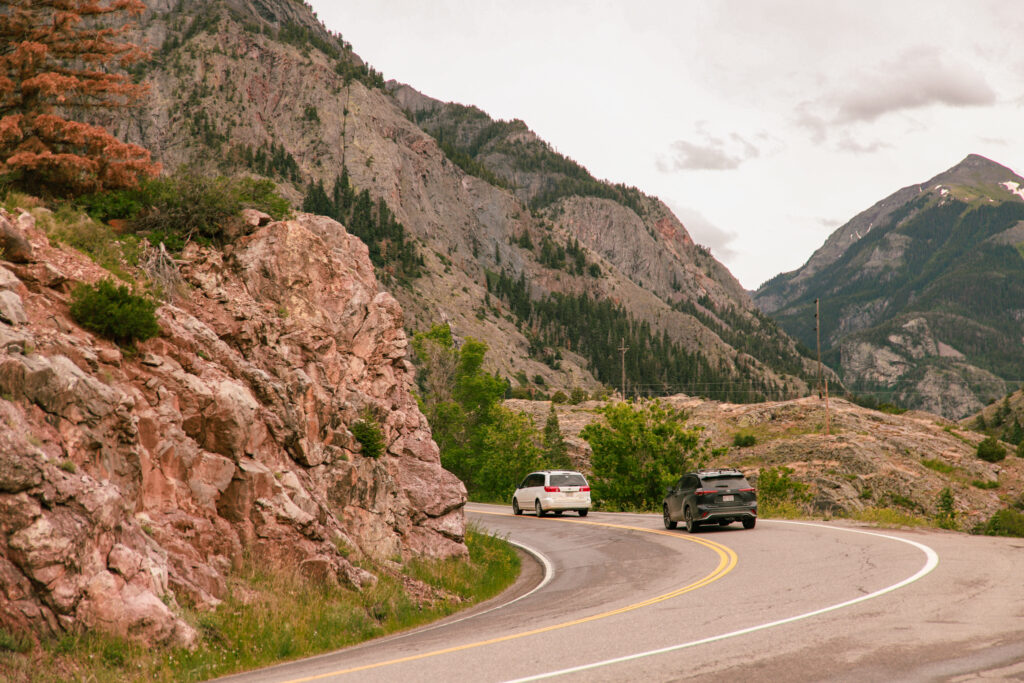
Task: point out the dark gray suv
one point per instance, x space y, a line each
710 497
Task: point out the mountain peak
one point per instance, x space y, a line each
975 170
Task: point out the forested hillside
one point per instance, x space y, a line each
922 303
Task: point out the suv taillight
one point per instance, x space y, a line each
748 490
552 489
705 492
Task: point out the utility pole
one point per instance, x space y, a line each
622 352
817 333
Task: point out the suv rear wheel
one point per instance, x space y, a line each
669 523
749 523
691 523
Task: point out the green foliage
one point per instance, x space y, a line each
985 484
393 254
310 114
98 241
743 439
946 506
273 161
776 487
10 642
1020 450
639 451
117 204
193 206
368 433
554 451
990 450
1006 522
938 465
112 311
594 328
487 446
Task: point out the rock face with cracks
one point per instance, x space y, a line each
133 482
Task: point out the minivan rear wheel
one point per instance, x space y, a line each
538 509
515 507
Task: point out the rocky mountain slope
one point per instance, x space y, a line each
921 294
511 234
132 482
868 460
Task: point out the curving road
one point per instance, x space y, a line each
616 597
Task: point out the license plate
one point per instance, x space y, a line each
726 499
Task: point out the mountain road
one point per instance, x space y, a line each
616 597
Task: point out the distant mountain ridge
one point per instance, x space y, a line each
520 247
921 295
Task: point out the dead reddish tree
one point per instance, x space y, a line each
53 60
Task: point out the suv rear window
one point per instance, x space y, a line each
568 480
728 482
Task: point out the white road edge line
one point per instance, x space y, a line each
549 573
931 562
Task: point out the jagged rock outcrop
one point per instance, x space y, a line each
132 481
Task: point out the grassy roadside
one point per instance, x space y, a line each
270 617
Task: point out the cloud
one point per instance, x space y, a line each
919 78
712 153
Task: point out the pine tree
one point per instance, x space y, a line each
50 69
555 452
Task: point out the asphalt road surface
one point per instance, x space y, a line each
616 597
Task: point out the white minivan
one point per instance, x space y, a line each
552 491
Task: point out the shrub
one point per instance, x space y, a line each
981 484
559 397
775 487
990 450
1007 522
639 451
1020 450
112 311
743 440
946 515
196 206
369 435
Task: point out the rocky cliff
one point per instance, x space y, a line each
132 482
238 86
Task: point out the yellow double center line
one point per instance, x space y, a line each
726 563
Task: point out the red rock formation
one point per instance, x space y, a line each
129 482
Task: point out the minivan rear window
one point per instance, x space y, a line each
568 480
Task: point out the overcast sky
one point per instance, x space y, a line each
764 125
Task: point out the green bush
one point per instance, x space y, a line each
743 440
108 206
194 206
776 487
1007 522
369 435
946 515
990 450
1020 450
112 311
639 451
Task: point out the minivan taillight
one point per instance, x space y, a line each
584 488
552 489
